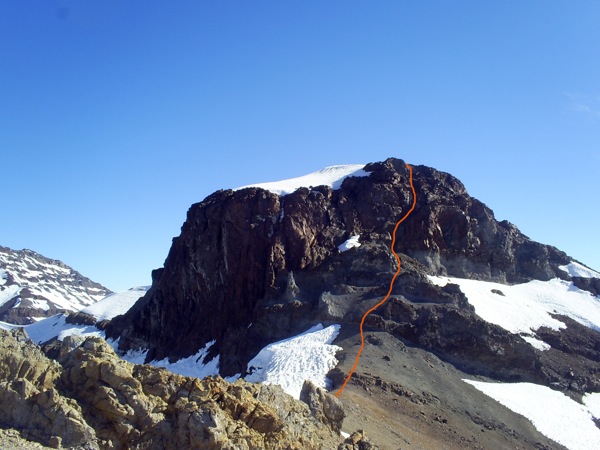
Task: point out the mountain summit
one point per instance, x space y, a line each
239 250
475 298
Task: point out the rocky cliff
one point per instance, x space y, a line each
251 266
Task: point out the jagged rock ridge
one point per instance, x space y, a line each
33 286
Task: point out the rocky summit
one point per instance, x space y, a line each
251 267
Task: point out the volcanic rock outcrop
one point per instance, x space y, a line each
227 276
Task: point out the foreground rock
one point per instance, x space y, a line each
92 399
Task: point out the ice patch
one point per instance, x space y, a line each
574 269
523 308
350 243
332 176
308 356
552 413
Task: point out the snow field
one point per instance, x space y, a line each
57 327
552 413
523 308
308 356
332 176
115 304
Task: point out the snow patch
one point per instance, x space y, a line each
8 293
537 343
574 269
192 366
115 304
523 308
308 356
350 243
332 176
57 327
553 414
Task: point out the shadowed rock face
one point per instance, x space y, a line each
226 275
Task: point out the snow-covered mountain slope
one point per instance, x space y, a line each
33 286
58 326
554 414
115 304
575 269
332 176
523 308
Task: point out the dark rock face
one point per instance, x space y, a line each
227 276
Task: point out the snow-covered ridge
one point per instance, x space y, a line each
332 176
41 286
574 269
523 308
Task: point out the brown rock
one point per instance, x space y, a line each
325 407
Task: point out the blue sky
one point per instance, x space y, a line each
116 116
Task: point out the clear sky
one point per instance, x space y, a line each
116 116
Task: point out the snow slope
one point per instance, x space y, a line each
107 308
332 176
308 356
553 414
523 308
115 304
574 269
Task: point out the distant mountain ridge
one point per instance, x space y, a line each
33 286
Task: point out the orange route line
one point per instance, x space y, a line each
362 336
